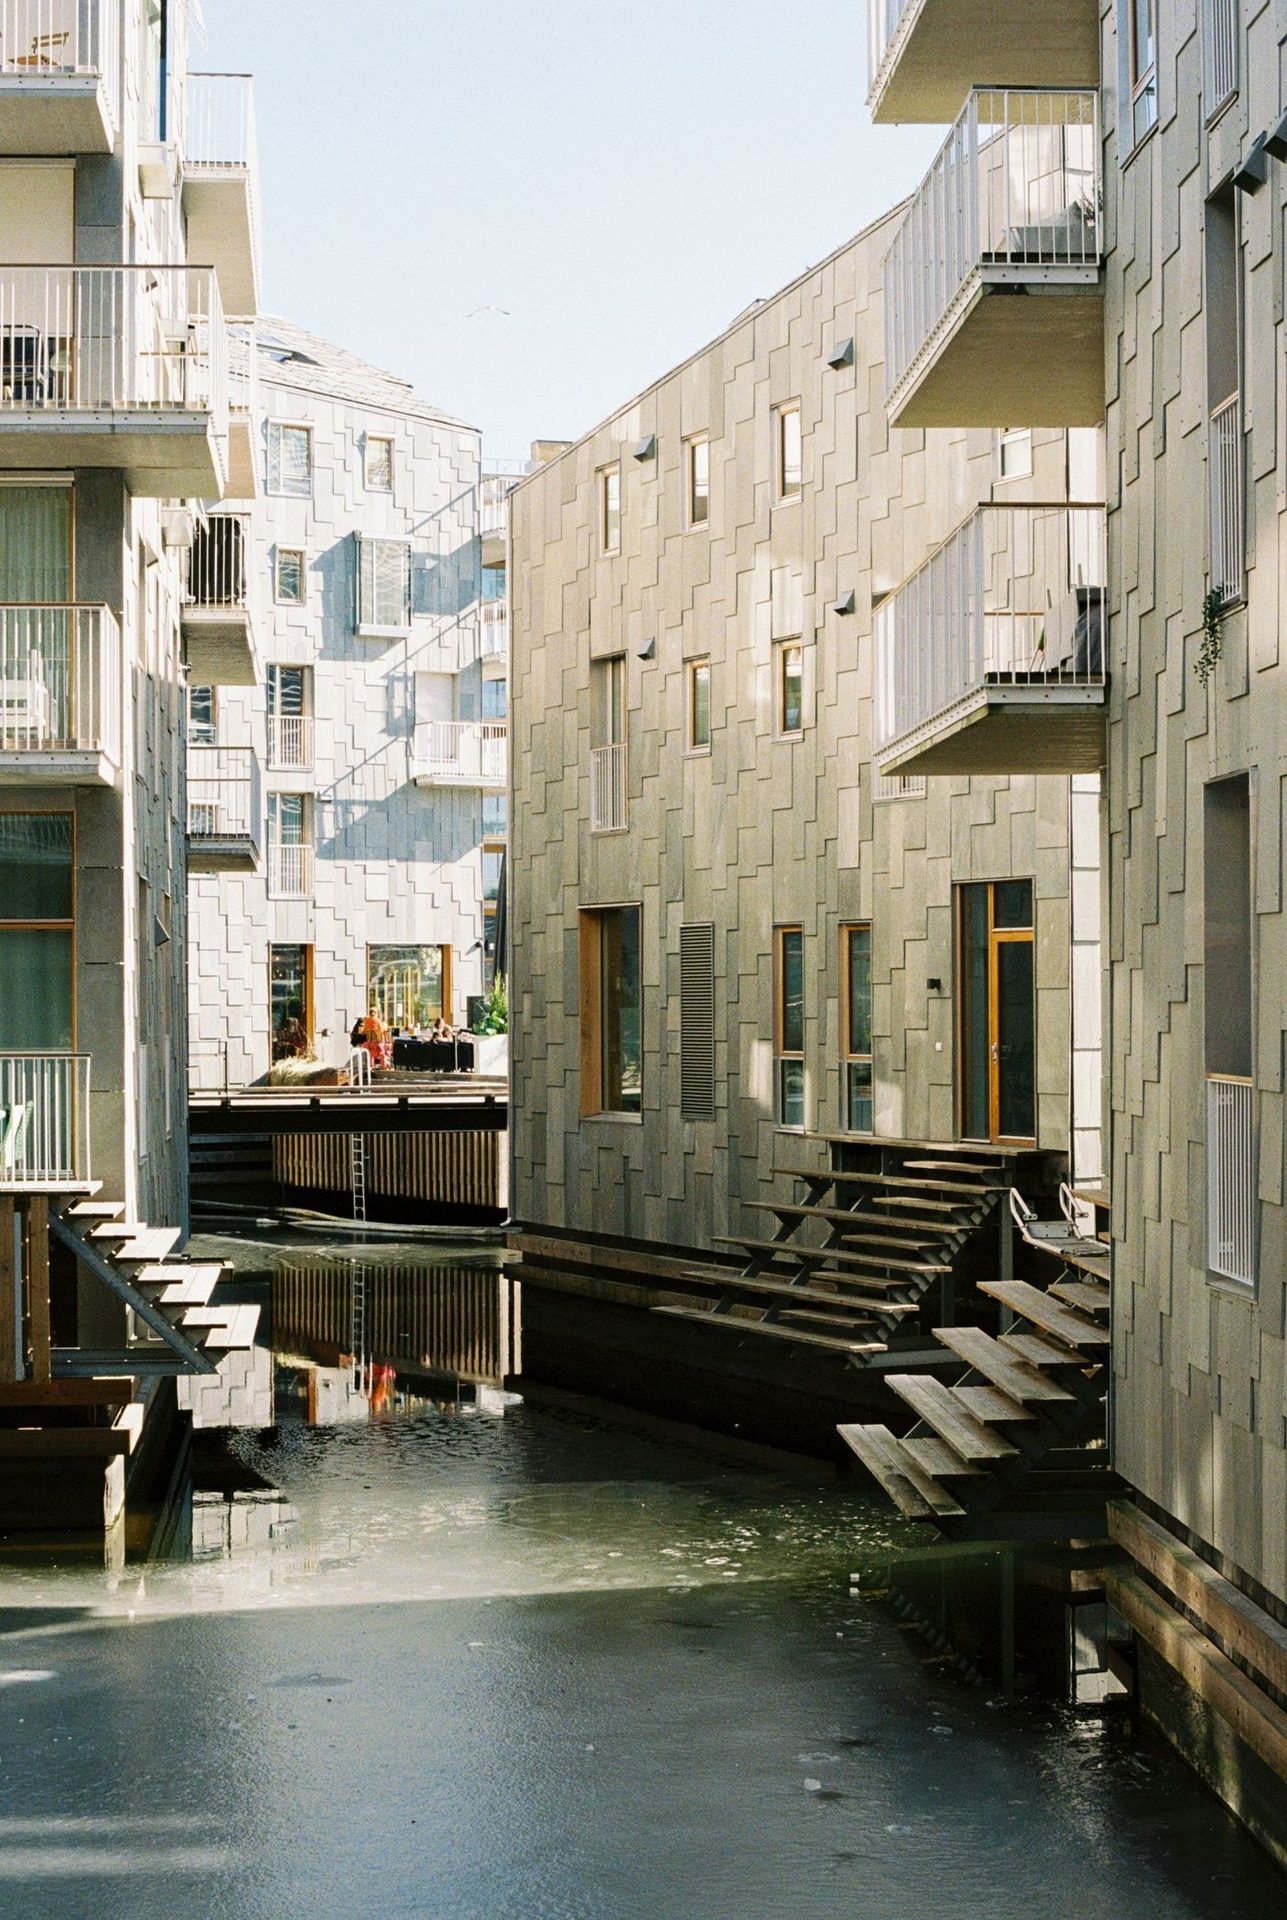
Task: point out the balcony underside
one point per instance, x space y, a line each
219 205
1005 729
1021 347
56 767
450 777
243 467
54 114
220 647
943 46
232 853
494 549
164 455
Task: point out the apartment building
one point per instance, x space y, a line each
1152 284
128 234
346 807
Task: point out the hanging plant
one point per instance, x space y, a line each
1209 652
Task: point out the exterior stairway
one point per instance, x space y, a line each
1015 1447
850 1262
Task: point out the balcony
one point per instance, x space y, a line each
608 789
290 871
494 489
290 742
243 411
221 184
44 1122
60 697
216 616
59 74
990 659
493 639
1227 483
461 753
922 53
224 809
120 367
994 302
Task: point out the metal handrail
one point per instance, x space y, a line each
44 1120
223 793
471 752
60 680
1231 1178
608 788
47 40
1227 483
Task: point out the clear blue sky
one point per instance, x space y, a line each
620 176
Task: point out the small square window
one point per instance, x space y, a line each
290 460
202 717
378 465
1014 453
289 577
790 686
788 453
697 465
699 706
610 510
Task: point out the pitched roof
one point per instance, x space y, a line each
291 356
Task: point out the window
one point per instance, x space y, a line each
35 545
787 452
290 712
697 465
290 1001
377 465
288 577
494 701
697 1021
290 460
384 586
408 986
36 929
1142 65
611 1015
1014 453
608 744
493 583
1229 1029
1222 22
788 1026
855 965
495 816
610 510
203 720
493 871
789 693
290 846
1226 462
699 706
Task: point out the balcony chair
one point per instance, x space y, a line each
13 1125
42 46
24 371
26 707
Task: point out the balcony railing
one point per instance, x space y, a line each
608 788
290 741
223 795
467 753
1228 494
290 871
1231 1179
44 1121
493 503
218 572
493 641
884 17
1013 198
45 41
77 340
60 681
220 146
923 55
1009 612
1222 31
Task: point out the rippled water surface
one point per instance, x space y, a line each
523 1663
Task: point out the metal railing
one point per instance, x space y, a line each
1222 25
44 40
44 1120
1016 597
243 368
608 788
219 136
1231 1178
359 1068
290 870
113 339
60 680
899 786
1228 496
217 573
223 794
290 741
472 752
493 502
493 632
884 17
1017 186
201 1053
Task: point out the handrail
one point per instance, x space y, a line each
608 804
469 752
359 1068
1228 501
223 793
47 40
60 680
44 1120
1231 1178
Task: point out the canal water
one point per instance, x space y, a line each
431 1651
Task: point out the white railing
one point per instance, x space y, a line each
243 368
45 40
44 1120
608 788
1016 186
493 641
359 1068
1231 1179
219 135
107 339
208 1066
1014 598
1222 26
470 752
884 17
290 741
223 794
290 871
1225 477
899 786
493 502
60 680
218 565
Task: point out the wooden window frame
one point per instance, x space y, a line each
590 1012
692 668
608 544
781 1053
692 519
1141 81
376 440
47 925
847 1056
781 648
783 491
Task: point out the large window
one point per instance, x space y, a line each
290 716
1142 64
1229 1029
493 878
788 453
608 745
855 964
290 1000
409 987
611 1014
788 1026
1014 453
697 480
384 586
290 460
36 928
610 510
35 545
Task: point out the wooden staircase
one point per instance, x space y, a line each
1015 1447
848 1264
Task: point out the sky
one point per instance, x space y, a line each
533 208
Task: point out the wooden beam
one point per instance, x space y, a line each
8 1292
38 1286
66 1393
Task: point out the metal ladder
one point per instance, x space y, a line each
357 1169
357 1324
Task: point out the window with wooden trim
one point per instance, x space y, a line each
697 1021
377 464
289 575
788 1026
699 706
697 480
1014 453
1141 44
37 923
611 1012
384 586
855 1027
788 676
788 452
610 509
290 460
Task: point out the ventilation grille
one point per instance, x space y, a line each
697 1022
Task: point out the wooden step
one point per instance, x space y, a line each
841 1178
814 1296
1039 1352
954 1207
167 1273
776 1327
937 1460
949 1166
1080 1294
988 1357
153 1243
939 1408
189 1290
887 1462
848 1220
220 1329
815 1256
991 1406
1047 1314
83 1212
116 1229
